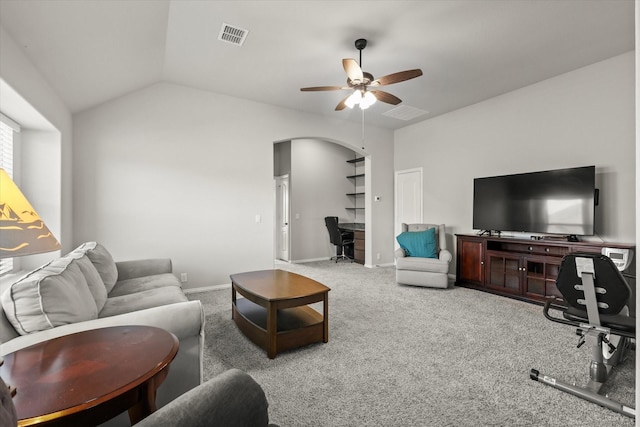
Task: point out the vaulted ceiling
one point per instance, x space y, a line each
92 51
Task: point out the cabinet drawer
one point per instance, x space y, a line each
358 245
549 250
530 248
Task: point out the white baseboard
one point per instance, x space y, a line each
388 264
302 261
188 291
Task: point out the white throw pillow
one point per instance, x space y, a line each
102 261
55 294
94 281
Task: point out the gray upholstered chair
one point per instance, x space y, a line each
8 415
232 398
431 272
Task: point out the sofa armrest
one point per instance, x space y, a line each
399 253
232 398
445 255
143 267
183 319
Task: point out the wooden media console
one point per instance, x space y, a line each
517 268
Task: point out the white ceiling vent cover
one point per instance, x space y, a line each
232 34
404 112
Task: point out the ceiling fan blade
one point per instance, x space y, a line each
397 77
341 105
320 88
386 97
353 70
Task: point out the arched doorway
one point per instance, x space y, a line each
322 179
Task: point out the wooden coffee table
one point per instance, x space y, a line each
87 378
274 312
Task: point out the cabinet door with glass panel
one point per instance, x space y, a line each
540 276
503 272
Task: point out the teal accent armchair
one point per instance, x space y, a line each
430 272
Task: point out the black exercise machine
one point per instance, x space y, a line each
596 297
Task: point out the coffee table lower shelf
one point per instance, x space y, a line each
296 326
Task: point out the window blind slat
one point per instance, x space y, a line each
6 163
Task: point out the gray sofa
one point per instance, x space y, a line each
86 289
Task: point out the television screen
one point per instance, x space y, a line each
553 202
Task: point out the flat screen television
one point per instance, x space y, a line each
558 201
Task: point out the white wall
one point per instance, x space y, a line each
171 171
318 189
637 92
46 156
41 174
584 117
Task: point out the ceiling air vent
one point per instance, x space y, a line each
404 112
232 34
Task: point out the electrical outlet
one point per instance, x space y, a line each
183 277
378 256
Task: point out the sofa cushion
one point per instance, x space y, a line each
421 244
142 300
53 295
433 265
102 261
144 283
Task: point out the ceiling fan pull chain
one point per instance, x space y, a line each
362 129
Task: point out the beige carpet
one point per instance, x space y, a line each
409 356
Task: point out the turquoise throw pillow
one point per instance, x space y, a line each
419 243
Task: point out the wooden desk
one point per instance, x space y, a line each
274 313
358 239
87 378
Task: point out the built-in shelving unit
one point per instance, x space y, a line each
358 208
358 193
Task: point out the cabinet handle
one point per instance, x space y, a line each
546 249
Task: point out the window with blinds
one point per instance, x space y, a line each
7 129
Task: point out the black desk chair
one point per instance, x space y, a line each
339 238
597 298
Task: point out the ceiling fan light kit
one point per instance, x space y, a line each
362 98
360 83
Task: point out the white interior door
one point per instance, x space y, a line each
408 198
282 217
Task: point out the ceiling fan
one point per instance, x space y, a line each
363 84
